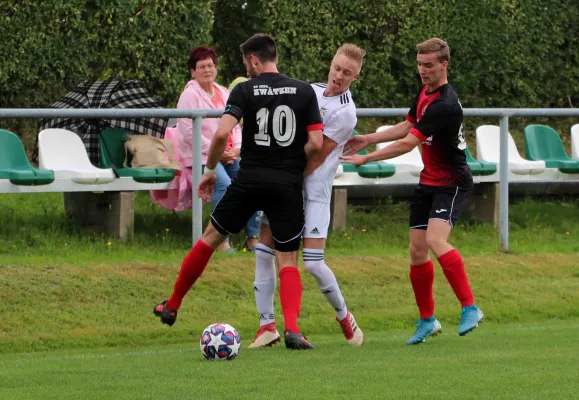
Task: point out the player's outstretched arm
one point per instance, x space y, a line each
402 146
314 144
357 143
396 132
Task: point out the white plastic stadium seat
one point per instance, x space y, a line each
575 141
63 152
488 149
410 162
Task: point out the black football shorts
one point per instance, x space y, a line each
282 203
437 202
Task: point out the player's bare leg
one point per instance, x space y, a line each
453 267
191 269
422 279
313 255
264 289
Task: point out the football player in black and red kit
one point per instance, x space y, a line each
435 123
282 129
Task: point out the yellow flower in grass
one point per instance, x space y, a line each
363 229
167 229
109 244
244 250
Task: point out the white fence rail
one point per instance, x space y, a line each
502 113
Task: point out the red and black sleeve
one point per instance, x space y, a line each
434 121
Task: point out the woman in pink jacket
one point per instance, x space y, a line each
202 93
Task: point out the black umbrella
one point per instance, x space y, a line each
106 94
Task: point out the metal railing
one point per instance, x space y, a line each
197 115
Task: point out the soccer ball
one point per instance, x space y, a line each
220 342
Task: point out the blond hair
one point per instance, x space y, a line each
353 52
433 45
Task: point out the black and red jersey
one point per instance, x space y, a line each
437 118
278 112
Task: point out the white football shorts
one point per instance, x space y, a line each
317 219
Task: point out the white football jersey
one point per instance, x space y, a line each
339 118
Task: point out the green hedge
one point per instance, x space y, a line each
505 53
50 46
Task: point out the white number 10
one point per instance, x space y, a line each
283 135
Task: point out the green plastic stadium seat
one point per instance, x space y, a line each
349 167
387 169
14 164
384 170
544 143
112 151
480 168
371 170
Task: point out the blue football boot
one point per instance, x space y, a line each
469 319
426 328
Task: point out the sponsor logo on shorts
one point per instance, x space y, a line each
315 231
441 210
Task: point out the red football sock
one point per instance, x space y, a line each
422 278
453 268
290 293
191 269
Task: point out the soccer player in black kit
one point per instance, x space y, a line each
282 129
434 122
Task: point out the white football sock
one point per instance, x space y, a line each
265 281
315 265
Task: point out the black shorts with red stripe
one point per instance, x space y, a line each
437 202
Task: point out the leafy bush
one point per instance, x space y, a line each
504 53
50 46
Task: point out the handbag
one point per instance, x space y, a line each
144 151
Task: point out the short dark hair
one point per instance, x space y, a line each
199 54
260 45
433 45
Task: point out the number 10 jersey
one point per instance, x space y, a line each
278 112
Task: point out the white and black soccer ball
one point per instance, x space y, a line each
220 342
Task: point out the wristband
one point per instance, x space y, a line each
208 171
